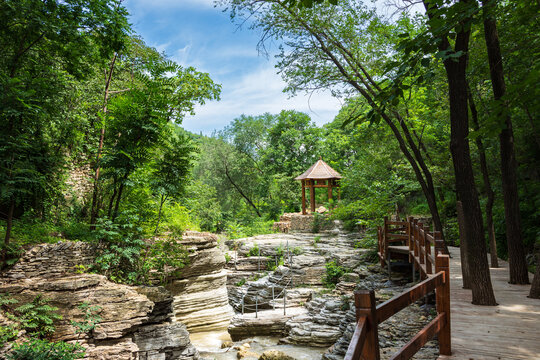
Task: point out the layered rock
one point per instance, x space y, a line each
136 322
200 292
266 323
319 326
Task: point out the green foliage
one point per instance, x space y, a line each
227 258
254 251
121 246
178 219
126 258
240 282
37 349
37 317
166 257
333 273
90 320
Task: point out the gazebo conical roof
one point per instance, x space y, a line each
319 171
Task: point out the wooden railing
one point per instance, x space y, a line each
414 235
412 239
365 341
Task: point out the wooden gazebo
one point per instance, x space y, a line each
319 175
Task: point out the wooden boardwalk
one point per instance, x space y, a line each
508 331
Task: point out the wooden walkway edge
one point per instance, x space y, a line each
508 331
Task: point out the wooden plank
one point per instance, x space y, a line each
420 339
357 341
403 223
400 301
397 236
509 331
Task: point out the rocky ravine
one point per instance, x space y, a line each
146 323
315 315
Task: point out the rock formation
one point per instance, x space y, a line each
200 292
136 322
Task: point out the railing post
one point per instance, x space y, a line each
257 305
364 300
415 236
273 299
429 263
381 245
421 241
443 304
259 260
439 243
410 240
284 301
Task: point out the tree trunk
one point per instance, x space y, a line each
482 290
9 226
465 272
119 197
248 200
159 213
95 208
516 252
111 201
535 287
487 183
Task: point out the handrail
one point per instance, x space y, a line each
365 344
401 301
358 339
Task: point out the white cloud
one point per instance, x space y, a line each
255 93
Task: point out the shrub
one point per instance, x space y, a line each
126 258
91 319
254 251
37 349
37 317
333 273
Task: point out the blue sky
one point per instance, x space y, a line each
195 33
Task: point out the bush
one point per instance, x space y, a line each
37 349
121 253
178 219
254 251
37 317
333 273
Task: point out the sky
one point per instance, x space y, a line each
195 33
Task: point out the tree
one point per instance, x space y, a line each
140 117
46 45
455 63
171 170
518 265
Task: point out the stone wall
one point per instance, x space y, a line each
294 222
79 182
53 260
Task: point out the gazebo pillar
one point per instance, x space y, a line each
304 197
329 184
312 195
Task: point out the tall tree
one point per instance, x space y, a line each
455 63
42 51
516 254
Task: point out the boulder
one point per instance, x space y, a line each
275 355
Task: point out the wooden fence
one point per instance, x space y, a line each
418 241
